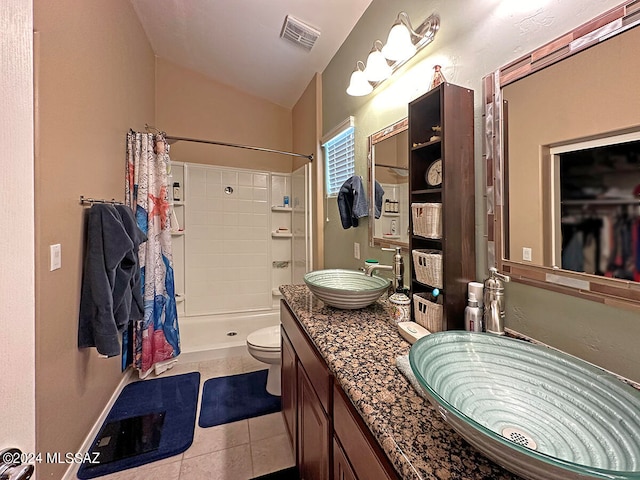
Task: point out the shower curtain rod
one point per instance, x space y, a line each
250 147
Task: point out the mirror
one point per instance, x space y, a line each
389 167
563 149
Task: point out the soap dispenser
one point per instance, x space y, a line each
472 315
494 308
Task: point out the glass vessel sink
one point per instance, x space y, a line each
346 289
539 413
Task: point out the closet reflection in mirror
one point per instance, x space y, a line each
389 167
598 188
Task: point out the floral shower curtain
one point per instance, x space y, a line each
153 343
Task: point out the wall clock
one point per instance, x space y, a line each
434 174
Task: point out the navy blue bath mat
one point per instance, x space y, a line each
236 397
150 420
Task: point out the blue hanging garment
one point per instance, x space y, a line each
352 202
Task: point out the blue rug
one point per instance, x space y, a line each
236 397
150 420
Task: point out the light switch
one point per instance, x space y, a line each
526 254
56 257
356 250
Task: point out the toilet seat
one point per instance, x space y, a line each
265 340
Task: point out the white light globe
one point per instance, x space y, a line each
359 85
377 67
399 46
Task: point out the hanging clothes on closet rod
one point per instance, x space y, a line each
226 144
91 201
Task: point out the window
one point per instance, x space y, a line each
339 156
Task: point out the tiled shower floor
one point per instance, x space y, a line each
235 451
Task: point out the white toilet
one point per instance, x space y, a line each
264 345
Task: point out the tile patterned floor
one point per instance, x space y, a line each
235 451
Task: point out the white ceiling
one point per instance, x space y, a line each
237 42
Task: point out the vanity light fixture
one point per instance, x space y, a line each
403 42
359 85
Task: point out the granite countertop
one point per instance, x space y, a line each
360 348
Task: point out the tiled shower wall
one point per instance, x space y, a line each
227 239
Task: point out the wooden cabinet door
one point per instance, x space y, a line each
313 432
367 460
289 382
341 467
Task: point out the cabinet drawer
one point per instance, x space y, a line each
364 454
308 357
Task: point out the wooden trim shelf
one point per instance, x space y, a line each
419 146
429 239
426 190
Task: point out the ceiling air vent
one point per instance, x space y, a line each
299 33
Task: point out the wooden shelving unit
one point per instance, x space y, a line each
451 108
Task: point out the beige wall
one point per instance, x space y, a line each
95 81
468 47
191 105
307 125
17 308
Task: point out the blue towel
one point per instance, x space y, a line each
352 202
111 273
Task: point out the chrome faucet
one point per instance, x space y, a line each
494 309
397 268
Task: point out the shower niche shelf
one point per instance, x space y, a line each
281 241
178 214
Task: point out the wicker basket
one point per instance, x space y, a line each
427 219
427 313
428 266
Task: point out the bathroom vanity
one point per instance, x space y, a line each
349 411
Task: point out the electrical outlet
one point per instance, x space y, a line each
526 254
356 250
56 257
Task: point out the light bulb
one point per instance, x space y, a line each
377 67
359 85
399 46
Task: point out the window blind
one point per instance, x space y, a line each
339 149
